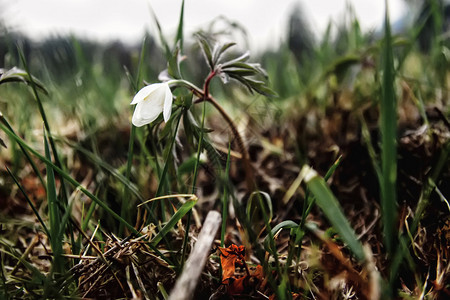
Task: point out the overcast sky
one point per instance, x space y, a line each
265 20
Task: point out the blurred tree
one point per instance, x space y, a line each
300 37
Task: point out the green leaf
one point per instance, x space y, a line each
53 213
220 50
288 224
161 35
183 210
242 58
173 63
332 210
253 206
17 75
179 37
206 50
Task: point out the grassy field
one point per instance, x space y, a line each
326 159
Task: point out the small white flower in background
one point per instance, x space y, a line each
151 101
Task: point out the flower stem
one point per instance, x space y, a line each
203 95
240 142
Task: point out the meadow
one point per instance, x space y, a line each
323 165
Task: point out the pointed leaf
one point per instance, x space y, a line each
332 210
179 37
220 50
17 75
206 50
183 210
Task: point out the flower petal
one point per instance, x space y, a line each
144 92
146 112
167 103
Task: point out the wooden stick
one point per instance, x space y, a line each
185 285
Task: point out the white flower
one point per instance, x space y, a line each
151 101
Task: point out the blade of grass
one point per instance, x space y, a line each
44 118
403 251
194 182
107 167
166 159
172 58
88 216
287 224
53 214
179 37
283 288
38 216
308 205
160 33
34 87
332 210
370 149
124 210
67 177
225 199
388 127
183 210
27 155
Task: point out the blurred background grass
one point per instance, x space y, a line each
329 89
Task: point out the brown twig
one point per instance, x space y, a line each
185 285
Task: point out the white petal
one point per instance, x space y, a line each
144 92
146 112
167 103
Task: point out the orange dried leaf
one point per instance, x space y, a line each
228 258
228 266
237 286
258 272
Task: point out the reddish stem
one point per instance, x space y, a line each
245 156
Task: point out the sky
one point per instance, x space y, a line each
127 20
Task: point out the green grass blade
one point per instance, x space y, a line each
125 207
194 181
53 213
308 205
225 198
388 127
88 216
38 216
160 33
370 149
199 148
403 251
108 168
332 210
267 216
27 155
181 212
44 119
167 159
287 224
34 87
171 55
124 211
179 36
67 177
65 221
